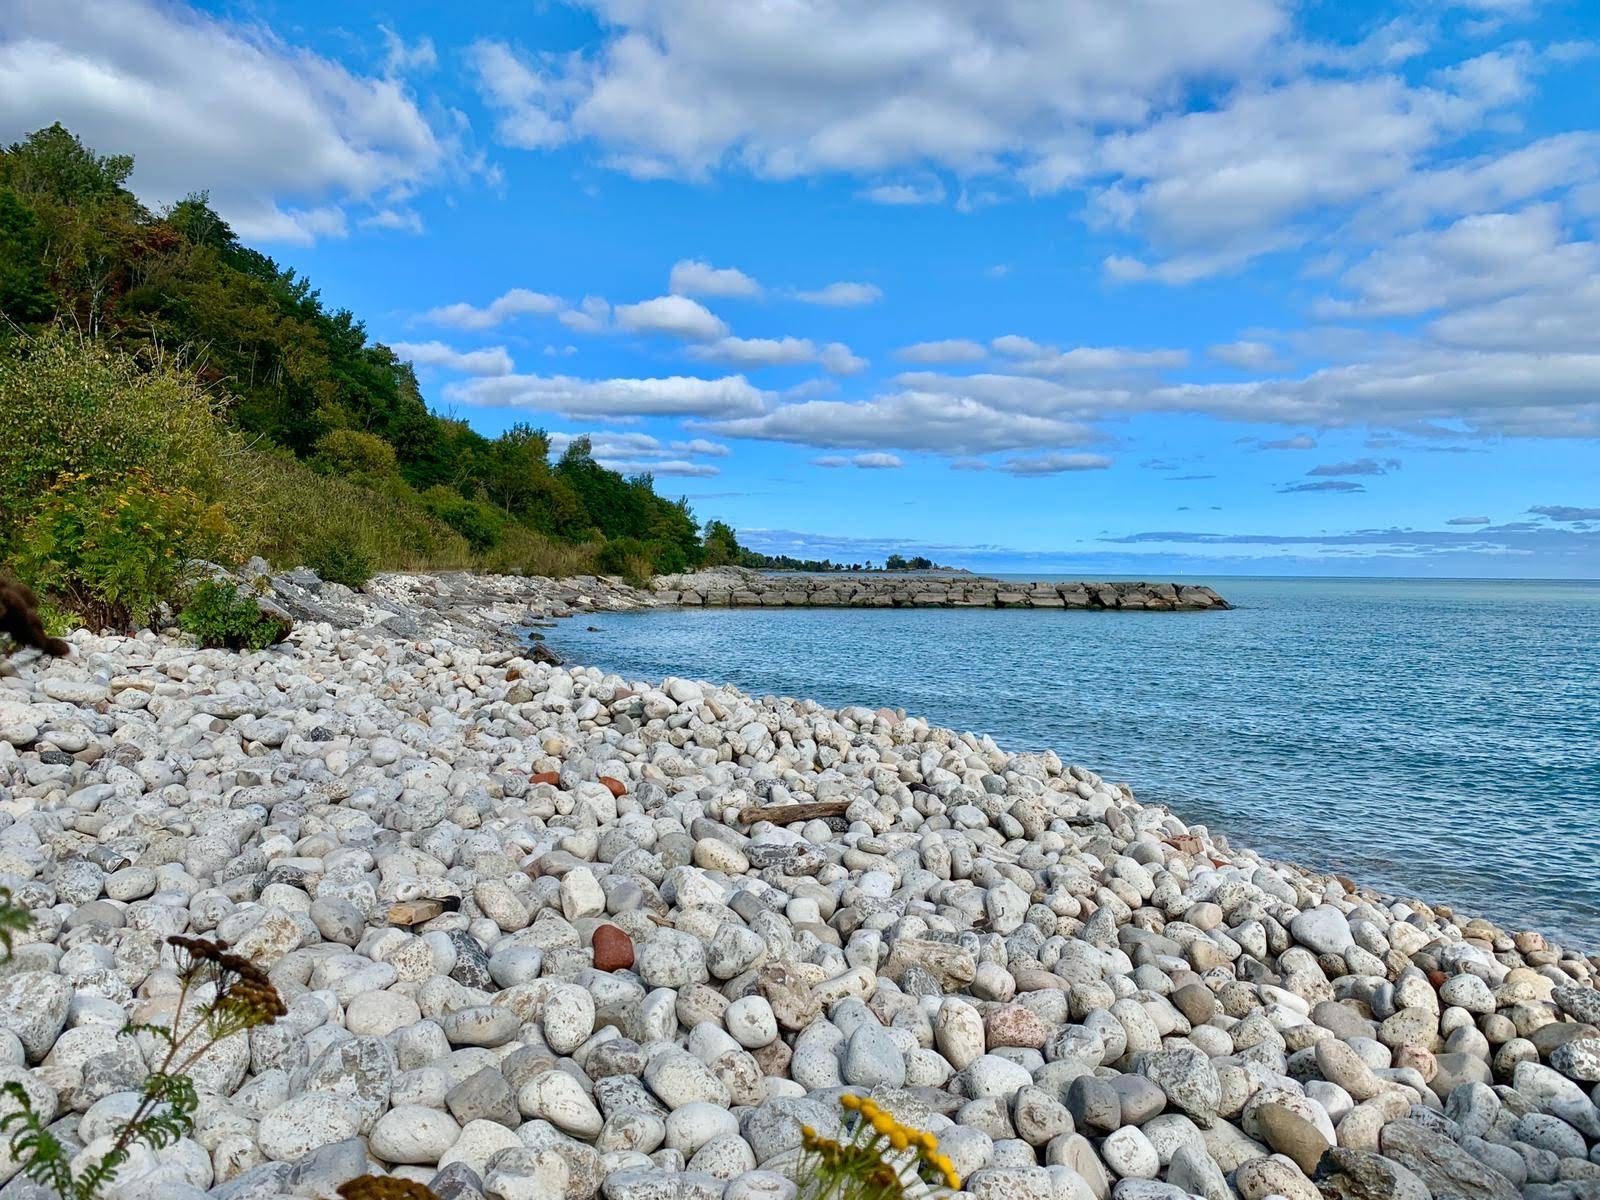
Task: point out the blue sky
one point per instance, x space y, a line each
1104 285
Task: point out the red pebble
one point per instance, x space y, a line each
553 778
616 786
613 949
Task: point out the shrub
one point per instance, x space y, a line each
627 557
73 406
115 549
356 452
526 551
216 615
339 559
481 524
288 514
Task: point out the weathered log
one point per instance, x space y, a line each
788 814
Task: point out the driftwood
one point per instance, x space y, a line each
414 912
788 814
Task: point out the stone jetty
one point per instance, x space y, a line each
549 933
743 588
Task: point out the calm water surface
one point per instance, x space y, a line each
1432 739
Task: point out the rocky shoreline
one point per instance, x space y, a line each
546 932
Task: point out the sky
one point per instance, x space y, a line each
1110 286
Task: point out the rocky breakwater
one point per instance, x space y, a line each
742 588
548 932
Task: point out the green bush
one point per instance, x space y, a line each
527 552
216 615
355 452
481 524
627 557
339 559
114 549
72 406
289 514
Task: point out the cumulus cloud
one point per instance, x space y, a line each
869 462
678 316
515 303
592 315
950 350
677 395
1036 358
691 277
826 85
835 357
1055 464
905 420
758 352
636 453
1247 355
290 142
492 360
1482 257
843 295
931 192
839 359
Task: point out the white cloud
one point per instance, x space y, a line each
492 360
905 194
835 357
838 359
675 315
1102 359
827 85
1055 464
634 453
758 352
843 295
1479 258
591 315
1299 441
690 277
404 220
1248 355
950 350
287 141
400 58
869 462
906 420
1217 187
515 303
878 462
618 399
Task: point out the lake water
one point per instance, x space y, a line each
1438 739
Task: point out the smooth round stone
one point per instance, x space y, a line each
304 1122
751 1022
1291 1134
380 1013
558 1098
480 1025
695 1124
1129 1153
412 1134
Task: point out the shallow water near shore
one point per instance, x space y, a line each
1438 739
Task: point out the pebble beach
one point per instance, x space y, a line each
544 931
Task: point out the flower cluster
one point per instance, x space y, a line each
881 1159
245 997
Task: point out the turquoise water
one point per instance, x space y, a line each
1438 739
